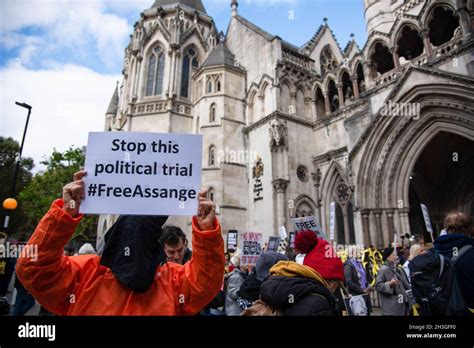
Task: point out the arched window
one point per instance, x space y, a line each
409 44
341 235
155 73
190 61
300 103
347 91
360 78
442 25
333 96
285 100
218 85
382 59
210 194
320 104
212 113
212 155
209 86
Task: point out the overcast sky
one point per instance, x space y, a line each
63 57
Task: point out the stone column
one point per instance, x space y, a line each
176 79
427 43
464 21
340 94
326 103
280 186
138 73
390 226
378 223
370 67
355 87
317 181
314 110
396 58
171 54
261 98
405 220
366 227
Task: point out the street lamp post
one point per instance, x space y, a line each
8 203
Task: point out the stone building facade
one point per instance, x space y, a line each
377 129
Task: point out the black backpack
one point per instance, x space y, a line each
435 286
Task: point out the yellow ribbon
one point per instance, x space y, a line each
374 257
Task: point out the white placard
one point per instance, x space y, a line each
426 217
282 233
308 223
142 173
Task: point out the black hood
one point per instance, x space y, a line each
133 252
250 288
275 291
447 243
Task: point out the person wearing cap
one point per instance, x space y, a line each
132 277
392 284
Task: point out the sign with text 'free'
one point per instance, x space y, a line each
132 173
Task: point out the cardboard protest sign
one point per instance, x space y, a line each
282 232
308 223
426 217
251 248
142 173
358 305
273 244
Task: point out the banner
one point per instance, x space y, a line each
142 173
273 244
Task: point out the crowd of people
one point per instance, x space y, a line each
148 268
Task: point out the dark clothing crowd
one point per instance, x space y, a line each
161 276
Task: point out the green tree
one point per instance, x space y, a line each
9 150
46 186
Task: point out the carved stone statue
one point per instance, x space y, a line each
177 27
278 134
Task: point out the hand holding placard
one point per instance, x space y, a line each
142 173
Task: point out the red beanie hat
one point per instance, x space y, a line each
324 260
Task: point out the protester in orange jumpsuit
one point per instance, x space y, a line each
142 284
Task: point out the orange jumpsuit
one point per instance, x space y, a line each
80 285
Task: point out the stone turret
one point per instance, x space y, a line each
378 15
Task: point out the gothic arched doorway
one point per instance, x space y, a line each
443 180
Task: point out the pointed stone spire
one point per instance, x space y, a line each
234 5
114 101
